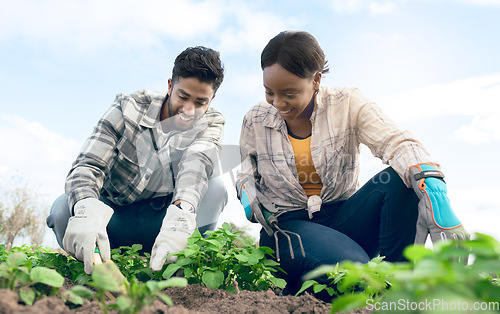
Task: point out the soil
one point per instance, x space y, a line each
190 299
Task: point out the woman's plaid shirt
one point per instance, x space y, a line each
342 120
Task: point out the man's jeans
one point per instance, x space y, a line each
140 222
380 218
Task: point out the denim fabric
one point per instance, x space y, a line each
379 219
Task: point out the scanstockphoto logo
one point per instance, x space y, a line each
440 305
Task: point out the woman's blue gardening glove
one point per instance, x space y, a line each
436 217
251 200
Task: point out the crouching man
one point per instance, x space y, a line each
148 172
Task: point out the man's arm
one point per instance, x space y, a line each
87 174
198 162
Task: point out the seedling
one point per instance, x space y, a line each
226 260
435 274
17 274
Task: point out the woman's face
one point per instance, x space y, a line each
289 93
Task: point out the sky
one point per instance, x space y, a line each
432 65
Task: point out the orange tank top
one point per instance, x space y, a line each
308 177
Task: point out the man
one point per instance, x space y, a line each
147 174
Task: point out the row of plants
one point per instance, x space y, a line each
223 259
432 280
226 259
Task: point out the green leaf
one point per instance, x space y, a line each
174 282
416 252
266 250
349 302
136 247
213 279
189 252
486 265
16 259
171 282
82 291
165 298
124 303
46 276
320 271
107 276
216 243
70 297
27 295
278 282
319 288
428 269
226 226
242 258
306 285
170 271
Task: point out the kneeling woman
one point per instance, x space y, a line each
300 162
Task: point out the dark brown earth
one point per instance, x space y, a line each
190 299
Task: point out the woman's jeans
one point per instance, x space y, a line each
140 222
379 219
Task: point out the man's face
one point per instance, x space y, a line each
188 100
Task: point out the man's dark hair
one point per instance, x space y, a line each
297 52
200 62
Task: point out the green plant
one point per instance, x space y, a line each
352 283
226 260
131 263
428 275
17 273
66 265
77 294
140 294
134 295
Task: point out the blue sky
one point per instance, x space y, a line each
433 66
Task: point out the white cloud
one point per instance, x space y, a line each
93 24
36 154
391 6
253 29
483 2
477 208
374 7
477 98
377 8
482 130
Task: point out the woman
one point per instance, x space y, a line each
300 157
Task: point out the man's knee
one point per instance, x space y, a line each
217 191
212 204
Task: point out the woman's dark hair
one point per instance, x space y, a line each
200 62
297 52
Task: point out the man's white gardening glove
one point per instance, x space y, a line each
178 225
86 228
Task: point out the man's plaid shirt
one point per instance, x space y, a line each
127 150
